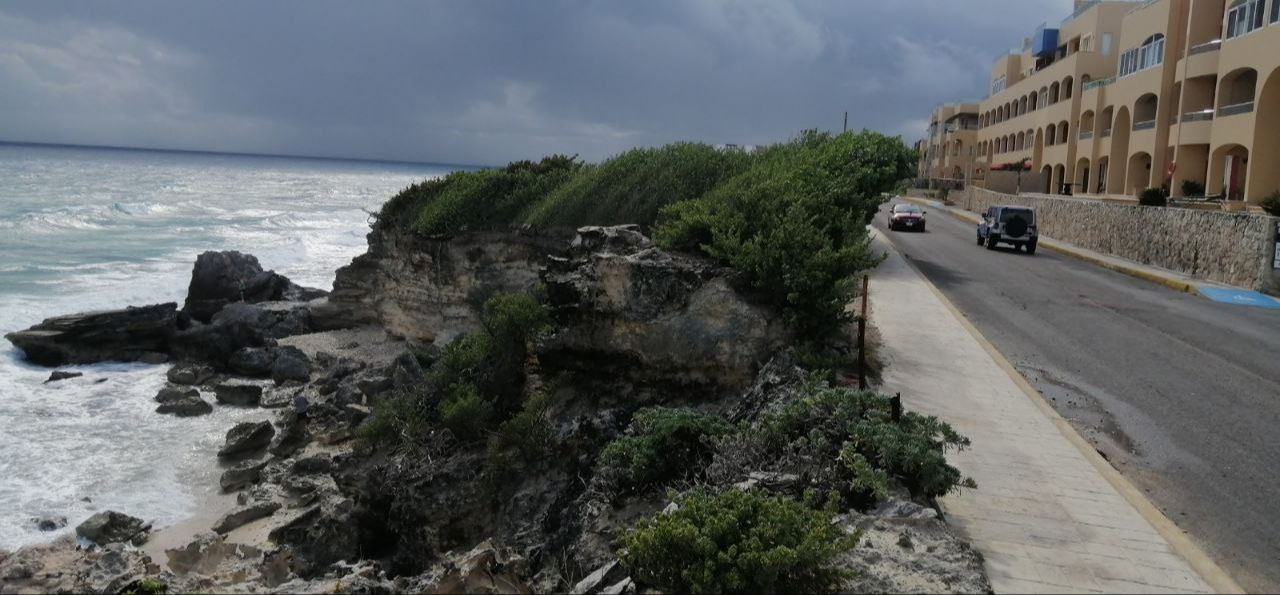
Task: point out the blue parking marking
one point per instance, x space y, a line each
1239 296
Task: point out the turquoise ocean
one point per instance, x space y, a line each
86 229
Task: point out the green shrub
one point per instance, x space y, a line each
1192 188
1271 204
465 412
662 445
856 429
1153 197
529 431
631 187
493 197
146 586
795 222
476 383
737 542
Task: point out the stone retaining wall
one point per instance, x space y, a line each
1233 248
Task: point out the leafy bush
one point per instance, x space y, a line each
737 542
146 586
1271 204
476 383
631 187
1192 188
795 222
493 197
662 445
856 430
1153 197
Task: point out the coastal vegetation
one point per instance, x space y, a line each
738 542
790 216
476 385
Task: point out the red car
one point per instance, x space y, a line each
906 217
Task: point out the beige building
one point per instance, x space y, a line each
947 156
1123 96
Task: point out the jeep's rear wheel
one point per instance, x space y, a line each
1031 248
991 242
979 240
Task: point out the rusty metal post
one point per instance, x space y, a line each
895 405
862 336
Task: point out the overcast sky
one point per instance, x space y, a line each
485 82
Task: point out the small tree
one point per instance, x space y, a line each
1192 188
1271 204
1153 197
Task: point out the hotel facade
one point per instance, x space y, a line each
1124 96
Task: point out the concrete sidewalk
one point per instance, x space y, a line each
1049 514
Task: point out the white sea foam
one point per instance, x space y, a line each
91 229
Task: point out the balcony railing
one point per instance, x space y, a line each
1200 116
1099 83
1146 125
1239 108
1106 133
1211 46
1086 134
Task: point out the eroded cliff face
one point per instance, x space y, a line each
623 306
628 306
425 288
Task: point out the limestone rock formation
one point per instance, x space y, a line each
241 475
222 278
244 515
234 392
59 375
246 438
624 303
114 527
423 288
182 403
129 334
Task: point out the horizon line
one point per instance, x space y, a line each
233 153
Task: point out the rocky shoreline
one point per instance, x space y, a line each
318 510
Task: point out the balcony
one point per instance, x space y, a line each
1147 125
1099 83
1239 108
1212 46
1106 133
1086 134
1200 116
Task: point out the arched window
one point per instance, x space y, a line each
1035 97
1151 53
1051 135
1054 93
1066 88
1245 16
1147 55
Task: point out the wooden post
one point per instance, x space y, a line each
862 336
895 408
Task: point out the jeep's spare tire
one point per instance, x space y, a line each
1015 226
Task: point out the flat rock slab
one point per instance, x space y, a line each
244 515
130 334
246 438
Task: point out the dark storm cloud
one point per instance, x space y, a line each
488 81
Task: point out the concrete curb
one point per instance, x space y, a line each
1055 246
1208 570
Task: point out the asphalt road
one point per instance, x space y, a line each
1180 393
